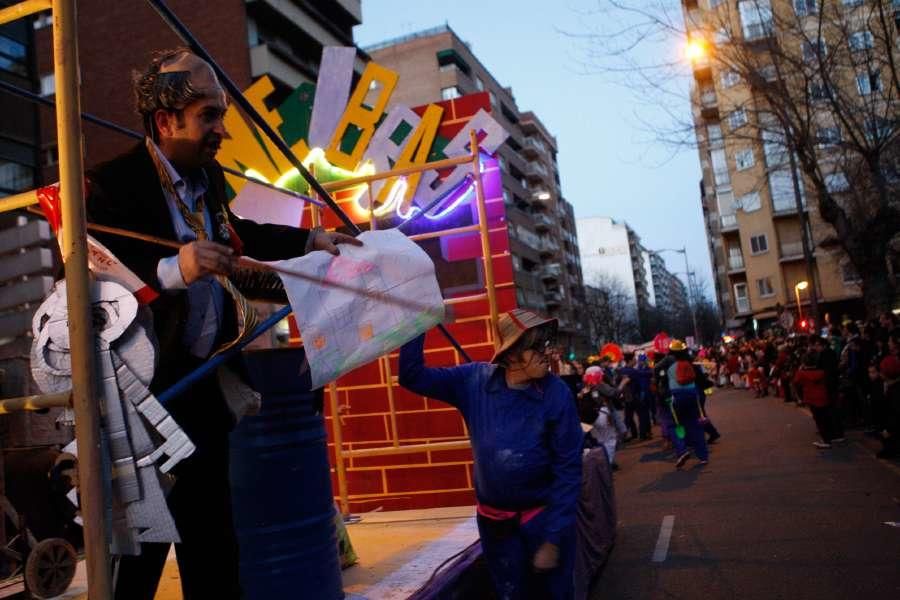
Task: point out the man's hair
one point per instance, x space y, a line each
171 91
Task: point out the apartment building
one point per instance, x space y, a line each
612 256
669 292
755 201
248 38
437 65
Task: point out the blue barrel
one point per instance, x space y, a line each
281 487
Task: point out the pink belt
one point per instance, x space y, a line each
496 514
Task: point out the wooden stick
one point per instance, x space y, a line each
254 265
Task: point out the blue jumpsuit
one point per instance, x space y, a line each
527 447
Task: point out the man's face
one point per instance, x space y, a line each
190 138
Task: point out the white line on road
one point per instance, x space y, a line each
665 534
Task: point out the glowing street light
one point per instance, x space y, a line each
801 285
696 49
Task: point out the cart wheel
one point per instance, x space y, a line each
50 568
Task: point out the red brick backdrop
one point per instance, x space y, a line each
441 477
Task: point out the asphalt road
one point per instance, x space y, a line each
770 517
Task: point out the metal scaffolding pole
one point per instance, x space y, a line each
73 245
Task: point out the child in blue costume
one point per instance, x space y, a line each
526 441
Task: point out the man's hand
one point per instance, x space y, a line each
547 557
328 241
203 257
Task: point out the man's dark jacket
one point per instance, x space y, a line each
126 193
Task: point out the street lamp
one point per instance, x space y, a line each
801 285
687 274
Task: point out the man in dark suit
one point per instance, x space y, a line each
171 187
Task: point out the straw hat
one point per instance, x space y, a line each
514 324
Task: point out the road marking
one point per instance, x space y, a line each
665 534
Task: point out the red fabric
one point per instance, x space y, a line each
684 372
812 382
733 364
890 367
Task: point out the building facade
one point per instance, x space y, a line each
437 65
756 203
248 38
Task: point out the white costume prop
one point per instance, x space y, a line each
137 431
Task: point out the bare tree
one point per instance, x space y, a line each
823 101
610 311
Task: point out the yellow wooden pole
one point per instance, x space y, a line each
11 405
485 239
81 335
17 201
23 9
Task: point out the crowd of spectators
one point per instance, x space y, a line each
848 376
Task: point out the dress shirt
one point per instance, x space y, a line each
205 296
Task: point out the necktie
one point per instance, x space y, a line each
247 318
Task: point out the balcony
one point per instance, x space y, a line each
533 148
709 105
791 251
551 271
548 246
542 222
735 264
786 207
553 298
729 223
536 171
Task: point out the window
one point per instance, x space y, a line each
449 93
493 97
48 85
750 202
741 300
867 83
813 51
721 37
828 136
13 56
756 18
720 167
737 118
759 244
805 7
849 273
764 286
743 159
479 84
877 128
714 133
730 79
862 40
768 72
447 67
818 90
836 182
781 189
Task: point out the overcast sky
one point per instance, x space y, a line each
609 164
